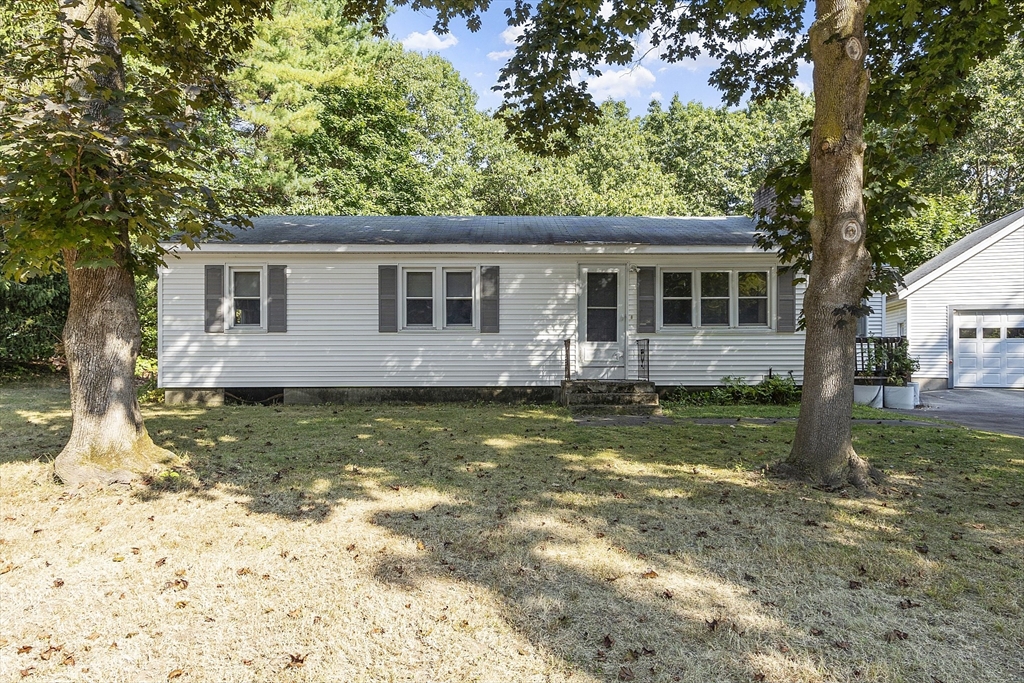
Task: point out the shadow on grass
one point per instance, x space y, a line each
633 553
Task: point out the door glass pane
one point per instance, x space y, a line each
602 324
714 284
602 290
459 312
419 284
247 284
714 312
968 333
677 285
460 284
1015 332
677 312
419 312
991 333
247 311
755 312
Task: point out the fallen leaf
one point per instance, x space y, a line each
161 562
28 672
895 635
297 661
668 595
996 549
626 674
9 567
57 583
69 660
923 549
713 624
295 613
842 645
93 636
956 536
118 558
181 604
24 649
855 585
650 574
49 652
179 572
907 603
816 632
177 673
759 676
243 571
607 641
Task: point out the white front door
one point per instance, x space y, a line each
988 349
602 331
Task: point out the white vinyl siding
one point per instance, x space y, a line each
333 339
991 279
874 324
895 318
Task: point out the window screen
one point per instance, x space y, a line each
602 307
419 298
714 298
246 292
458 299
677 298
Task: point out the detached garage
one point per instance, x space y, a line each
963 311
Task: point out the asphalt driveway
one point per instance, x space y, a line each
991 410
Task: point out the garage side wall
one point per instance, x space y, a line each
991 279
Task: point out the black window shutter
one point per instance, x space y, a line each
214 298
489 285
646 284
785 302
387 298
277 299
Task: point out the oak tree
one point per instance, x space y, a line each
100 102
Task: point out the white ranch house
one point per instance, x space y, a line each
963 311
311 305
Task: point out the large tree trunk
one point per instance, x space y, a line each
109 442
823 449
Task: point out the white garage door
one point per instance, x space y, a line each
988 349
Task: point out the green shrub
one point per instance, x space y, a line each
773 390
32 316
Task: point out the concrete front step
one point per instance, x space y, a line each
598 386
650 398
615 410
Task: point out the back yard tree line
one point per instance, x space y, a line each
329 120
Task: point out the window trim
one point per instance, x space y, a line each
439 297
406 325
767 299
698 324
230 324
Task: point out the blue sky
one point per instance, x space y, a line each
479 56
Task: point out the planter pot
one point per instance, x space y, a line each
899 397
868 395
917 392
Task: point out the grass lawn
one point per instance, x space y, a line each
496 543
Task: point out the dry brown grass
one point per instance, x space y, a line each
489 543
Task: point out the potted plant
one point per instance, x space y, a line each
868 382
900 392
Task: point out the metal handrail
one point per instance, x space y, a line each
643 359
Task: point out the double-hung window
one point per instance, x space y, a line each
677 298
714 298
247 298
419 298
439 298
458 298
753 298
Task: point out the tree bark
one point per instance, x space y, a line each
841 265
109 442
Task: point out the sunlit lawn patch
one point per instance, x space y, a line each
497 543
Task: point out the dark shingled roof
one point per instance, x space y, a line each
518 230
964 244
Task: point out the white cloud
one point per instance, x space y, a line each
620 84
429 41
803 86
502 56
657 96
512 34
